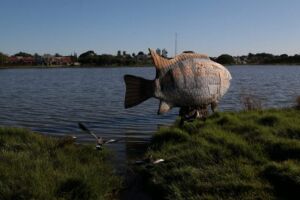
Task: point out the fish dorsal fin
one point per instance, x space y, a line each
160 63
185 56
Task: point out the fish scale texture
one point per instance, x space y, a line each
191 79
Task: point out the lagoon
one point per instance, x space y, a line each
53 101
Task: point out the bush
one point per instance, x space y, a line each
225 59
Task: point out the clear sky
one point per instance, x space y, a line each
213 27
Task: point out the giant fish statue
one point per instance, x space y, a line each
190 81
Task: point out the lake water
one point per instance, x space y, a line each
53 101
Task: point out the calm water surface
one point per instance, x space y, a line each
53 101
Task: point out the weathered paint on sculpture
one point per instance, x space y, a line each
190 81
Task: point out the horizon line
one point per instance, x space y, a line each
78 54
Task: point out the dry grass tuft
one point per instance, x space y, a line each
250 102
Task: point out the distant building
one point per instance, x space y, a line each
13 60
20 60
28 60
53 60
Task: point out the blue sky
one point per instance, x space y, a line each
212 27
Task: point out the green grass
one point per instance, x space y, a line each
33 166
243 155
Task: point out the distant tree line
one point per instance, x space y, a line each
124 59
23 58
265 58
258 59
3 59
121 59
140 59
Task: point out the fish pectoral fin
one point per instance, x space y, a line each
164 107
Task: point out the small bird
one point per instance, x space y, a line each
99 140
158 161
74 137
149 162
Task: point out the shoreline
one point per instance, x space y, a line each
130 66
208 158
75 67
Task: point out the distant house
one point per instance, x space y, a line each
60 60
66 60
28 60
13 60
20 60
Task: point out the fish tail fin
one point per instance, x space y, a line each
137 90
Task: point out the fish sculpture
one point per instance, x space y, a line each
190 81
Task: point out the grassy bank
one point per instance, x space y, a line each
244 155
33 166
